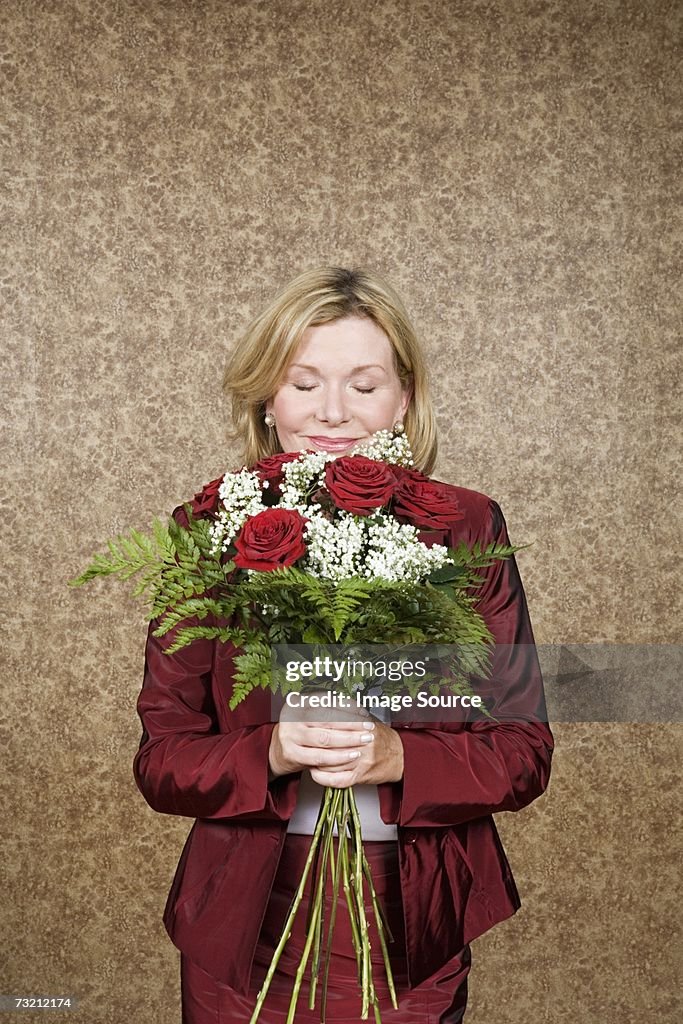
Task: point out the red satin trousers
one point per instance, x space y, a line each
441 999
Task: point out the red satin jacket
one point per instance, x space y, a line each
199 759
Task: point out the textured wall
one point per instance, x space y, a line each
511 167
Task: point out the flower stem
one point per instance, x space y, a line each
302 965
368 991
322 818
335 873
318 901
328 842
379 916
349 868
346 884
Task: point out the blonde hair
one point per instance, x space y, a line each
320 296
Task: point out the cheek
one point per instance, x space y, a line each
383 409
285 408
292 410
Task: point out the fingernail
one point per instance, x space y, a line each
353 754
367 738
368 725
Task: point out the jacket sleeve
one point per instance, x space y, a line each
184 764
463 770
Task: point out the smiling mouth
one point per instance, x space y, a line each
333 444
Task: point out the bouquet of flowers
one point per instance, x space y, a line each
309 548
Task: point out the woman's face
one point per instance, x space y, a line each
339 389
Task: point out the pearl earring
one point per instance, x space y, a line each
398 427
269 419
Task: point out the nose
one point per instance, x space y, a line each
333 408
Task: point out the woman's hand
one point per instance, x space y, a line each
337 754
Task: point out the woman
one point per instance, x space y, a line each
332 360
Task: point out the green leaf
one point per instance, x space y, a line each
313 635
446 573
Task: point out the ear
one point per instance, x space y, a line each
406 395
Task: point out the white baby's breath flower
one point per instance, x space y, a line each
334 548
241 496
387 448
299 475
395 552
373 547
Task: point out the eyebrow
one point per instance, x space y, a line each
356 369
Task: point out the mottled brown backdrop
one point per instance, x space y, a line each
511 167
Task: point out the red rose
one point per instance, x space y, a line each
206 500
414 474
270 469
424 502
358 484
270 540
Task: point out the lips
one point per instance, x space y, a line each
333 444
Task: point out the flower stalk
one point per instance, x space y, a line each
349 870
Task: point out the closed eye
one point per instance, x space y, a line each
309 387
